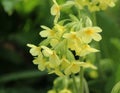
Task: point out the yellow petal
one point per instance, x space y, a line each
54 60
55 10
97 37
35 51
44 33
46 51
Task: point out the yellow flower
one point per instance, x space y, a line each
57 72
47 32
74 67
105 3
55 9
74 41
89 33
88 65
38 59
42 65
46 51
35 51
54 60
65 91
85 49
64 63
54 42
59 28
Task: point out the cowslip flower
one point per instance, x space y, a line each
57 71
46 51
74 41
41 62
64 64
47 32
89 33
105 3
55 9
35 51
73 68
54 60
86 49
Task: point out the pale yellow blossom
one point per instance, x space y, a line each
55 9
47 32
46 51
54 60
106 3
64 63
85 49
89 33
73 68
74 41
35 51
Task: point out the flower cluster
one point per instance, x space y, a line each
95 5
63 42
67 39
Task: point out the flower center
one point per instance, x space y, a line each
89 32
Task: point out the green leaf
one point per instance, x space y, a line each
116 88
20 75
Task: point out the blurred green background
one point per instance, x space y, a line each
20 22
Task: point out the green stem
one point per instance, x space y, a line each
86 86
81 80
74 83
94 19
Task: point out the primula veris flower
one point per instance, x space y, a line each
64 63
47 32
85 49
54 42
74 41
57 71
42 64
55 9
35 51
105 3
89 33
54 60
59 30
46 51
73 68
65 91
87 65
38 59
